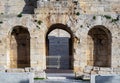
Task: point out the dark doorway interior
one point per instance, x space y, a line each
20 48
100 47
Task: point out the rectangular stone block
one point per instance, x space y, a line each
106 69
96 68
2 69
86 77
33 69
116 69
78 74
16 78
94 72
88 69
27 69
103 72
105 79
40 74
15 70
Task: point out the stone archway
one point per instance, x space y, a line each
19 48
59 42
99 41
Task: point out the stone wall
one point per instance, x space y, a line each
13 7
99 6
79 17
86 6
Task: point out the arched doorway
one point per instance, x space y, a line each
20 48
99 41
59 45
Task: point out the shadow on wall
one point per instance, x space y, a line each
29 6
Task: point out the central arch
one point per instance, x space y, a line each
64 45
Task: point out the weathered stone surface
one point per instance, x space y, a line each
27 69
2 69
40 74
105 79
16 78
106 69
116 69
104 72
96 68
94 72
86 77
88 69
80 17
15 70
34 69
78 74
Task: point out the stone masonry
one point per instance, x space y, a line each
93 25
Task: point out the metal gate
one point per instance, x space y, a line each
53 61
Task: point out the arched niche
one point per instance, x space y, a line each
99 46
19 47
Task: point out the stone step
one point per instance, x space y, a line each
60 76
58 71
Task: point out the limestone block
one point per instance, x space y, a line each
103 72
94 72
116 69
78 69
2 69
40 74
113 72
15 70
27 69
117 73
78 74
86 77
96 68
105 79
106 69
16 77
88 69
34 69
96 9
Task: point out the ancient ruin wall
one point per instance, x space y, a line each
79 16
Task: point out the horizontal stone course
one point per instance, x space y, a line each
15 70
